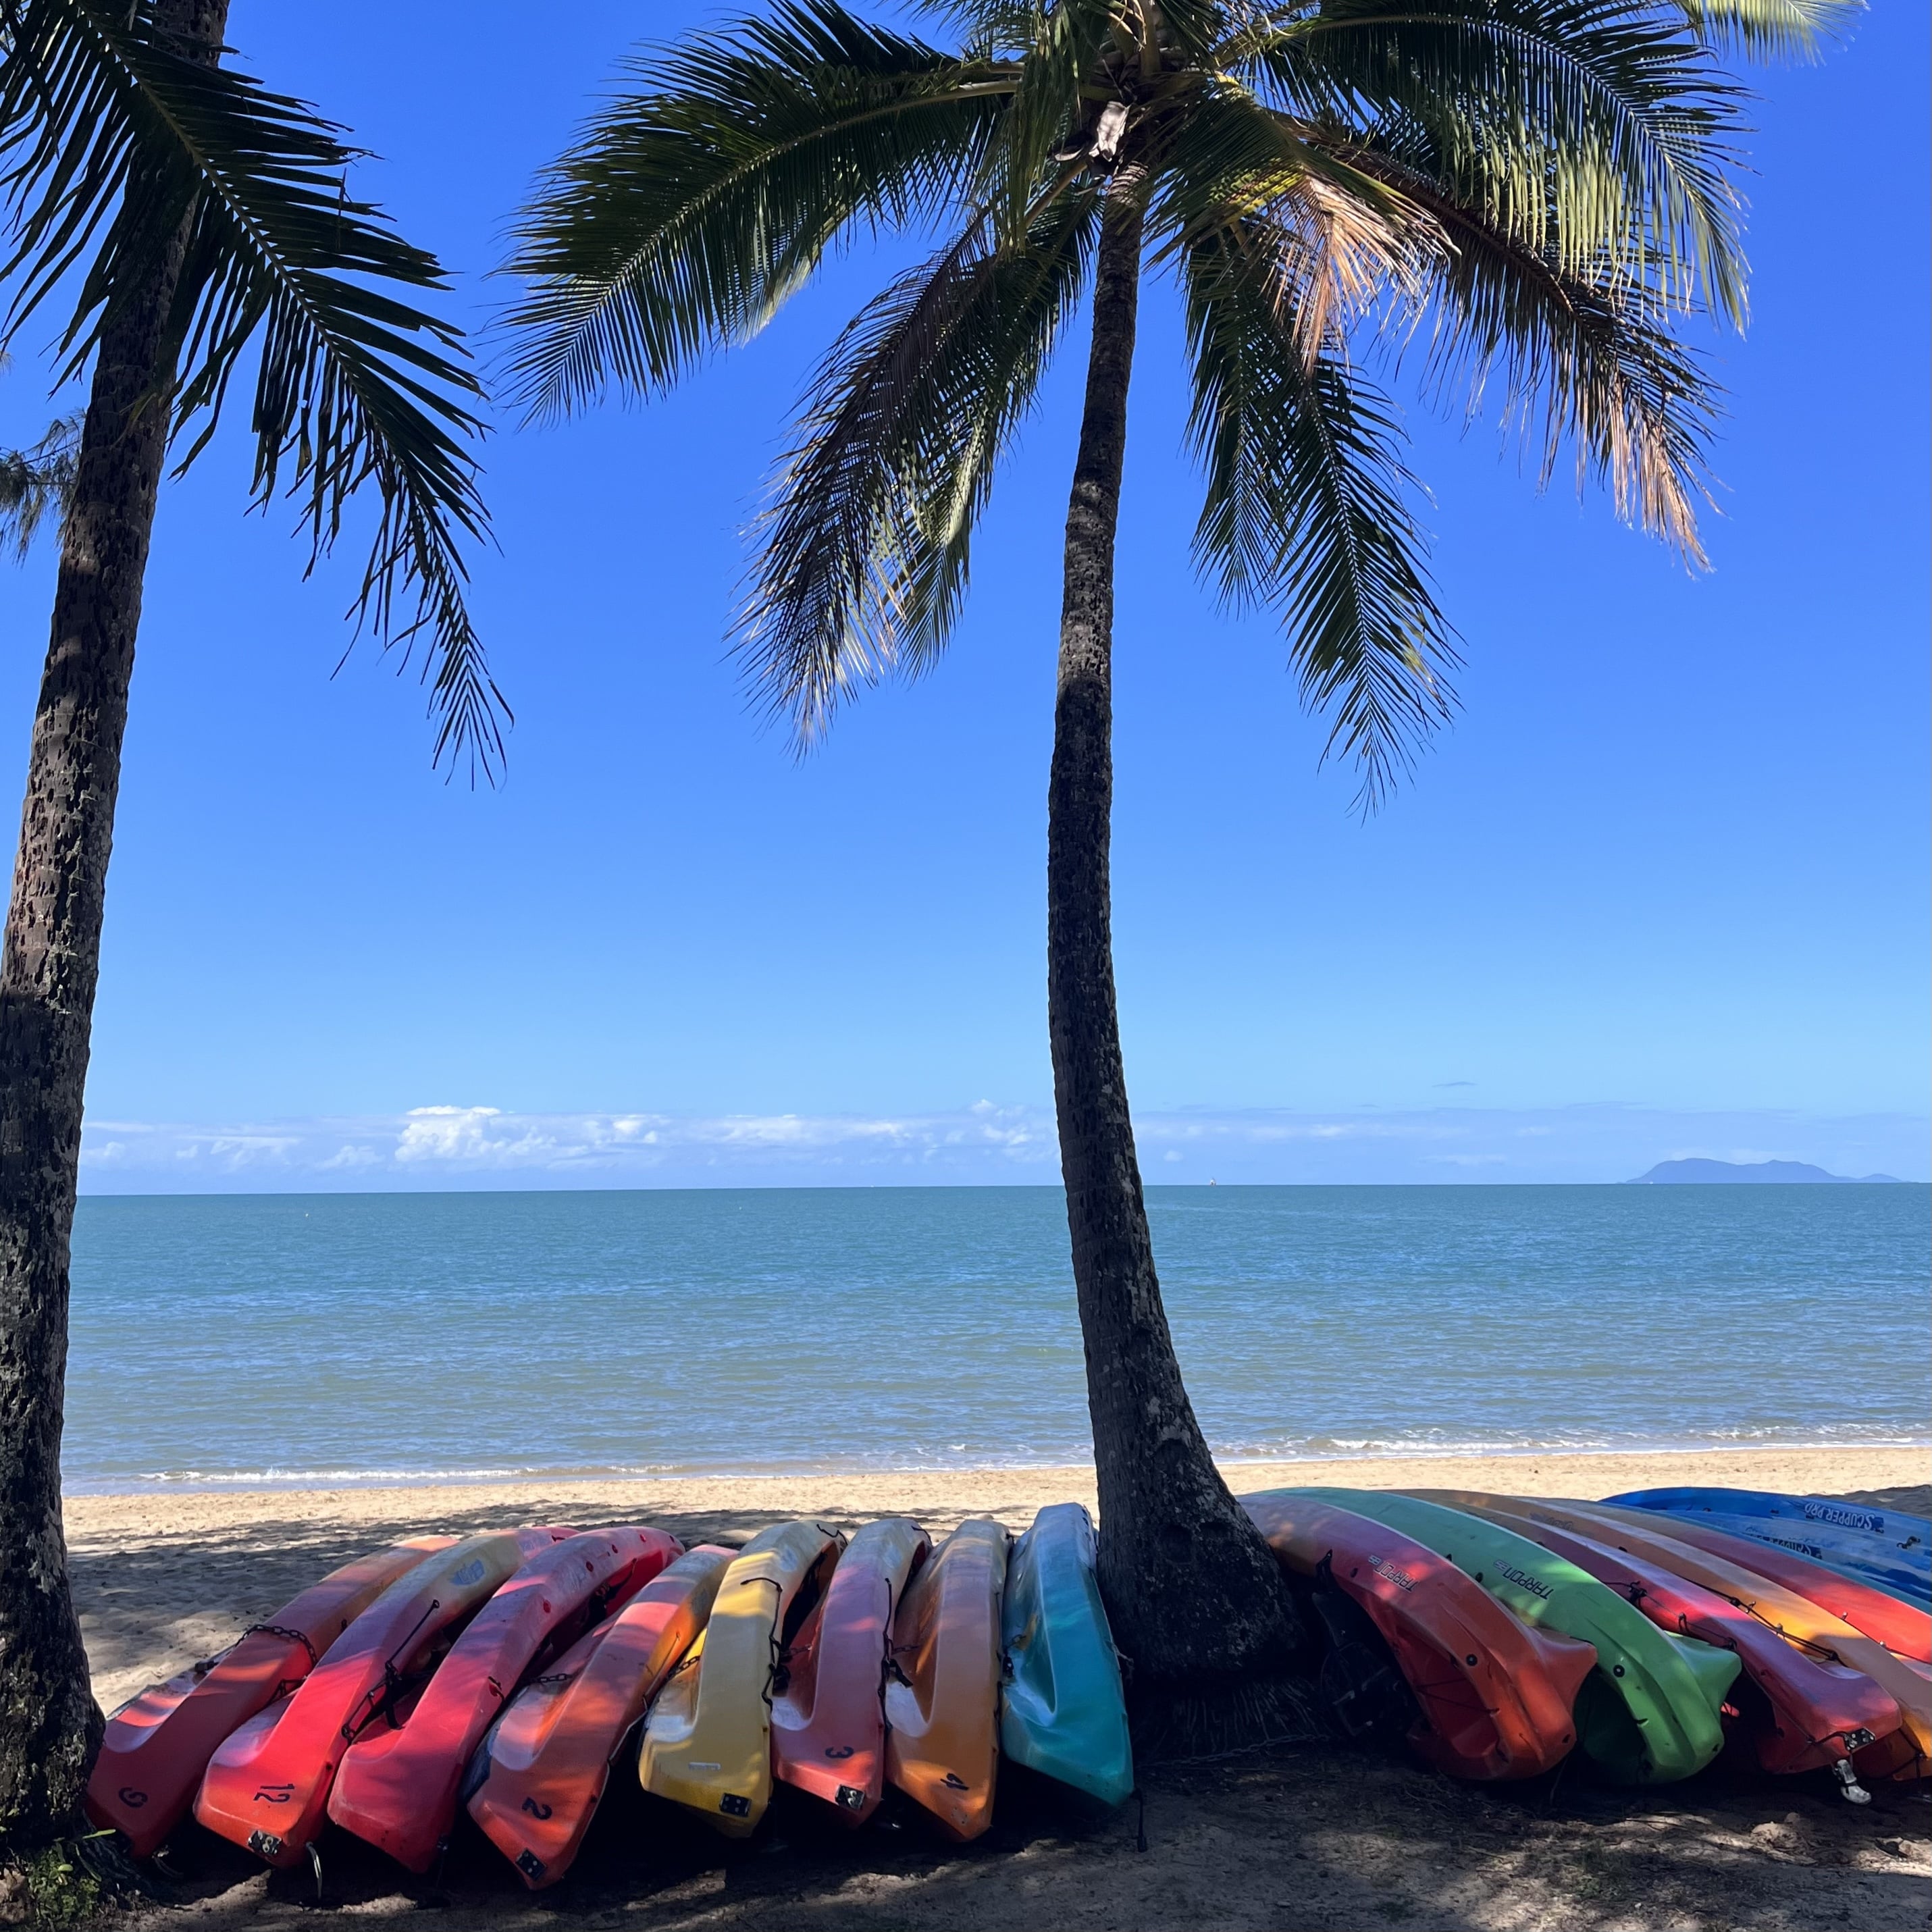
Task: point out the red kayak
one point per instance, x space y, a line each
158 1744
397 1784
535 1783
267 1787
829 1722
1896 1625
1497 1697
1810 1713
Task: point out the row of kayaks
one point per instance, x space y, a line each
1884 1547
1504 1632
506 1673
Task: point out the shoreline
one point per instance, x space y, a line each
164 1576
344 1482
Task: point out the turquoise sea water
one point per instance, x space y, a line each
299 1338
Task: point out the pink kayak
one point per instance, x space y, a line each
267 1787
829 1722
397 1784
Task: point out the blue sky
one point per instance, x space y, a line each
1669 867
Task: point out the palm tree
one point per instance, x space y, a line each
203 229
1523 197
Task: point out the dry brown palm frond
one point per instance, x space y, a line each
1584 361
1345 258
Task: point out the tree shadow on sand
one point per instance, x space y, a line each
1314 1838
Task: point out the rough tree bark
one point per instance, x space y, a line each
1197 1602
50 1724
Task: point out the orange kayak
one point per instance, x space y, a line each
158 1744
829 1722
943 1681
1497 1698
397 1787
267 1787
544 1765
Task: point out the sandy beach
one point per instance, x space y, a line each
1311 1835
165 1577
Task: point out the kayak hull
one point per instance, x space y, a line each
267 1787
397 1786
1829 1551
1890 1548
1877 1613
1808 1713
943 1684
1063 1712
157 1745
1906 1755
829 1722
1649 1713
707 1741
534 1785
1498 1696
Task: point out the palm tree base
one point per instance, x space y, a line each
1181 1725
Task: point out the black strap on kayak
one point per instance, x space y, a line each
288 1636
779 1651
381 1698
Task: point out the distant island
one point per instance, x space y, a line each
1667 1172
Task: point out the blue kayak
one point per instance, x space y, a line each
1888 1549
1061 1709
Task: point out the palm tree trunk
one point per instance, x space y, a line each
50 1724
1197 1605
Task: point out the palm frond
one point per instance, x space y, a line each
34 481
1062 52
1224 148
1306 506
1581 363
1191 28
109 136
993 29
1586 127
1229 159
1772 30
864 551
688 210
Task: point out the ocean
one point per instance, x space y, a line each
310 1339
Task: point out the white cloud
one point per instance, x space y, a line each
348 1157
447 1145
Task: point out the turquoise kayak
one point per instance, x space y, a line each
1650 1711
1061 1710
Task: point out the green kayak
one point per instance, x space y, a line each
1648 1713
1061 1712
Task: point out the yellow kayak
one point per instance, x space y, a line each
708 1739
1796 1618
